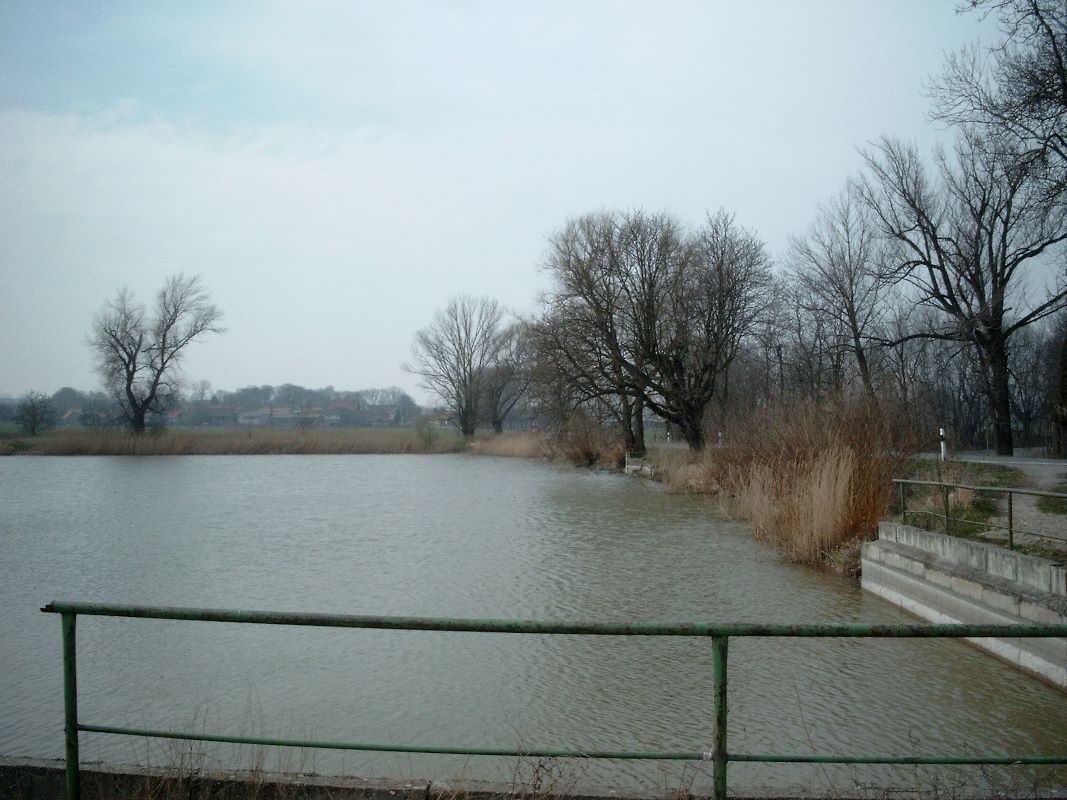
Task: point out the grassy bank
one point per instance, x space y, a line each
232 441
969 509
976 515
1053 505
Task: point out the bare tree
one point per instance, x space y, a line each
583 338
692 301
650 316
35 413
201 391
836 264
508 377
454 353
1017 88
1032 366
1058 401
963 244
139 356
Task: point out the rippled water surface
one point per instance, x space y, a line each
464 536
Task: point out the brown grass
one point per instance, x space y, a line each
233 441
512 445
585 443
814 479
811 478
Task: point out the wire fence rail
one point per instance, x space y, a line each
719 633
945 489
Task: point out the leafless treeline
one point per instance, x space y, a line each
931 289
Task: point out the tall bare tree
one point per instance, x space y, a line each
963 244
454 353
584 348
692 301
35 413
654 315
139 356
1018 87
836 265
508 377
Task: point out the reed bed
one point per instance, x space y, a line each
813 479
512 445
232 441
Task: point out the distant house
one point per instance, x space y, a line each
347 412
213 415
283 417
268 415
356 414
253 418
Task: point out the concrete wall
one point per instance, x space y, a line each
944 579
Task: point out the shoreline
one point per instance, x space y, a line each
26 778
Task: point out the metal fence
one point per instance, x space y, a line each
945 488
719 633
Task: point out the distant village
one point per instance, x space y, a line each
287 406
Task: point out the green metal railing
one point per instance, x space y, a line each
720 635
944 489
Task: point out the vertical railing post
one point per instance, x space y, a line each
1011 531
719 756
70 705
903 504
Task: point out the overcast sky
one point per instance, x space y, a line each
337 171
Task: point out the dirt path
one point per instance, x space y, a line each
1027 519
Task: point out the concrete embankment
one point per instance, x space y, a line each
944 579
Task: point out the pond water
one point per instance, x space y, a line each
464 536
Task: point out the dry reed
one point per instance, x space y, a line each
812 478
584 442
512 445
233 441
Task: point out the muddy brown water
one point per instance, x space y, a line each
465 536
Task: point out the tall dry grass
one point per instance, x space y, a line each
513 445
812 478
233 441
584 442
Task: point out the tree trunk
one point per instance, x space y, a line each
498 425
865 369
137 420
1000 397
626 422
1059 402
468 422
639 426
692 426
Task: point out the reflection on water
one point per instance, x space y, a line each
464 536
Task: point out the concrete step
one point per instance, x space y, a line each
961 581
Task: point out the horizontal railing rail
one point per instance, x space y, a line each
719 633
1010 492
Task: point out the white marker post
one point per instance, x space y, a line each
941 436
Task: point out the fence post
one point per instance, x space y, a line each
945 491
903 504
1011 532
718 751
70 705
